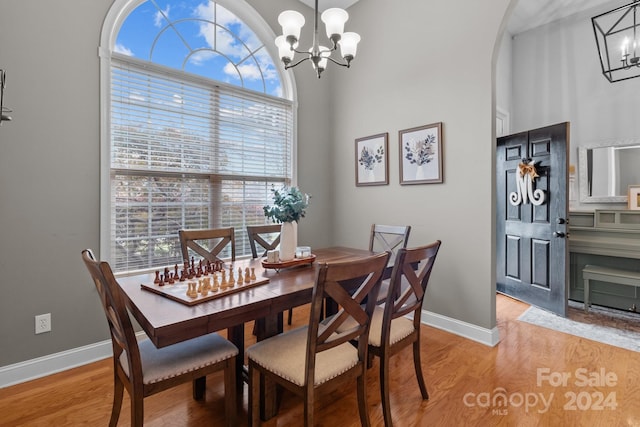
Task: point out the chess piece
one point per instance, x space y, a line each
223 281
157 279
161 283
253 273
216 285
191 291
232 280
247 275
239 275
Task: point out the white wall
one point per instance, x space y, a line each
439 69
557 77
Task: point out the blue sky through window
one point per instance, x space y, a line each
199 37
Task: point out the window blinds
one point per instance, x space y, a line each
187 153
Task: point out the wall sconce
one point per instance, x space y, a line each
4 116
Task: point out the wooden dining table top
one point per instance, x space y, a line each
167 322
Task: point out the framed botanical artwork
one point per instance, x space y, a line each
634 197
372 159
421 154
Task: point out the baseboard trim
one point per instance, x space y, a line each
489 337
53 363
58 362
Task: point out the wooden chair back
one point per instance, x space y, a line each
349 284
389 238
267 236
409 284
123 337
208 243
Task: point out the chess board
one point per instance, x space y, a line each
178 290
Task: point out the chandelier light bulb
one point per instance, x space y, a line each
291 23
284 49
349 45
334 20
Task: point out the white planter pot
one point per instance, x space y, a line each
288 240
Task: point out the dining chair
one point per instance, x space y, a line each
268 237
145 370
208 243
315 359
390 330
388 238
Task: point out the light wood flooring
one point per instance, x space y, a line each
465 380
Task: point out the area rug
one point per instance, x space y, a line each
618 337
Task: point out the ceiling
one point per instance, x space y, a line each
530 14
527 14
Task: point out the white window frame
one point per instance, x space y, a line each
117 14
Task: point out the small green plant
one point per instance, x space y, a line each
289 204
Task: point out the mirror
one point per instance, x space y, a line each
607 170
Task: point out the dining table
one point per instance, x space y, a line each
167 321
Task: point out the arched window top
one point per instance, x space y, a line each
200 37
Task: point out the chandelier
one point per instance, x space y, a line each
618 43
334 19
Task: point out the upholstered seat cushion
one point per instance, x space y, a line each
400 327
284 355
161 363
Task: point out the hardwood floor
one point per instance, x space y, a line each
466 381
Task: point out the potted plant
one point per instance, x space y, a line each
289 205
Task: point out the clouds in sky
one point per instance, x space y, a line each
213 36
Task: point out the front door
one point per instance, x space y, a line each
531 217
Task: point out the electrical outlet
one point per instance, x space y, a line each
43 323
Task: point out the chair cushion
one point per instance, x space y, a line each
284 355
400 327
162 363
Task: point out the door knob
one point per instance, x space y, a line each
558 234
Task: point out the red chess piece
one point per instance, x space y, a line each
161 280
157 279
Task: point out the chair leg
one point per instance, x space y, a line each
199 387
418 366
137 409
384 389
230 393
308 406
254 397
362 400
118 389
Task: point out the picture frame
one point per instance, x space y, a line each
372 160
634 197
421 154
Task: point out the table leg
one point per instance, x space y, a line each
235 334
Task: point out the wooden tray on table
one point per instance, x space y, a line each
287 264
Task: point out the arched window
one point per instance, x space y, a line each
200 127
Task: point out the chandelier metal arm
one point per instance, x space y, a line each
286 67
